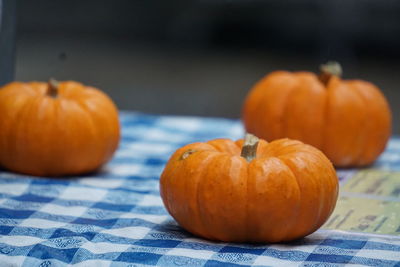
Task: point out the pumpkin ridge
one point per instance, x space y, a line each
20 117
303 154
234 161
20 131
315 226
325 119
322 193
260 231
90 123
357 158
28 89
342 131
260 109
169 171
296 215
333 183
285 110
378 97
247 205
200 166
208 234
227 146
307 105
93 115
324 215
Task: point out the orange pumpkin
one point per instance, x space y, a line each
53 129
349 120
234 192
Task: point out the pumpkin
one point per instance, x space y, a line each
250 191
54 129
348 120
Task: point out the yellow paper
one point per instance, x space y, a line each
369 201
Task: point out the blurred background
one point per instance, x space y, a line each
201 57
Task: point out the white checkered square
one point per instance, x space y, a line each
13 188
83 193
151 200
102 182
41 223
74 211
128 232
197 254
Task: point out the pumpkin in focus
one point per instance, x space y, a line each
348 120
54 129
249 192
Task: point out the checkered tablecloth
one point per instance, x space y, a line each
116 217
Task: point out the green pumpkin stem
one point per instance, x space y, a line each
53 88
249 148
331 68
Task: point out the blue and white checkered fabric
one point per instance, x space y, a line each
116 217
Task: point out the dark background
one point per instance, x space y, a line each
201 57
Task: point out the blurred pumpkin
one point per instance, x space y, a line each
53 129
349 120
249 192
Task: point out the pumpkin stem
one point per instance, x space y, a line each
249 148
331 68
53 87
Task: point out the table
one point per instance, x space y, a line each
116 217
